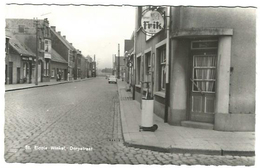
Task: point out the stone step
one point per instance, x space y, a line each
200 125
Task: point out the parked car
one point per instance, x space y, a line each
112 79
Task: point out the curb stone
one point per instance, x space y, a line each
44 85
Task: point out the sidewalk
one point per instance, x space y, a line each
13 87
179 139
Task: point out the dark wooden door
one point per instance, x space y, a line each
10 72
18 74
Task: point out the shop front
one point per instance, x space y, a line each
200 77
28 70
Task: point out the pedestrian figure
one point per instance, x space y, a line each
60 76
57 76
68 76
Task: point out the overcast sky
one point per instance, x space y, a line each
92 29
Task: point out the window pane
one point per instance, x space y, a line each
204 73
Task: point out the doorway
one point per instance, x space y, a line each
18 74
10 72
202 85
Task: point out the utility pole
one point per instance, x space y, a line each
118 75
115 66
37 48
95 65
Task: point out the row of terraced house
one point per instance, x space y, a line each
200 69
28 40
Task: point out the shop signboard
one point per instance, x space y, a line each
47 48
25 58
152 22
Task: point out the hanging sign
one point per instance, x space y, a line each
152 22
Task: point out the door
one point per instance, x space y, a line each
18 74
6 74
10 73
65 74
203 81
39 72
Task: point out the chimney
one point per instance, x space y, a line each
71 44
58 32
53 28
64 37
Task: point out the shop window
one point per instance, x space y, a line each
139 70
47 68
24 69
44 68
53 72
148 63
62 74
162 70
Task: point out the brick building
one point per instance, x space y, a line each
21 62
66 51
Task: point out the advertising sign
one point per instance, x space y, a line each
152 22
47 48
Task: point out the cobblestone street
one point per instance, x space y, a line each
80 123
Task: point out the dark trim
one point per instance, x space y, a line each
166 103
195 32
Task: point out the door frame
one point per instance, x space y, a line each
189 76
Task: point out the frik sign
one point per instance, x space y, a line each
152 21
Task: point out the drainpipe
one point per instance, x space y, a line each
167 87
134 66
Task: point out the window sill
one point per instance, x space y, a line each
160 94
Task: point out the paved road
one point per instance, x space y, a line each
80 123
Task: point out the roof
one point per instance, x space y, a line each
63 40
57 57
19 46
